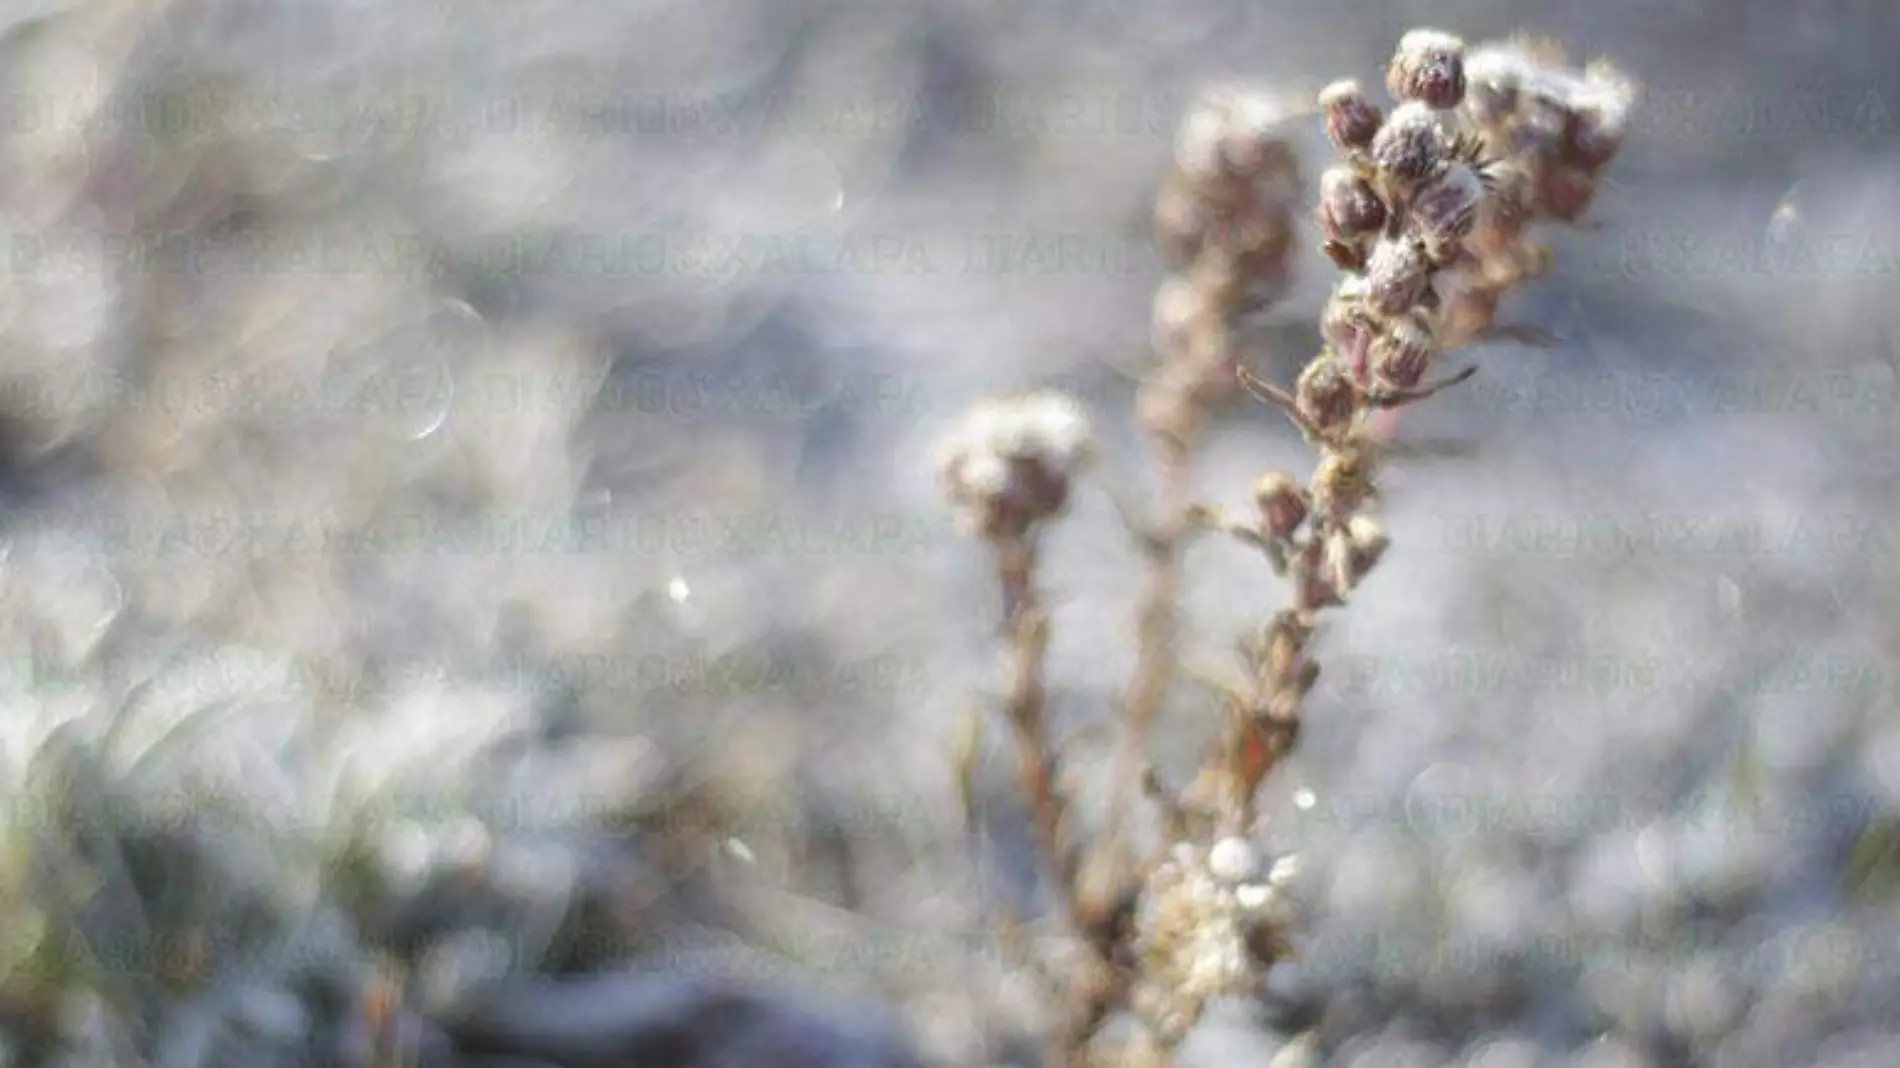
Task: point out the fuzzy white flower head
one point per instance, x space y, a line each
1413 143
1233 129
1009 464
1428 67
1351 118
1425 43
1053 428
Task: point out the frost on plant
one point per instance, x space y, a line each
1431 213
1009 467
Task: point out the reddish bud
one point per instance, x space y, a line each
1348 208
1352 120
1429 67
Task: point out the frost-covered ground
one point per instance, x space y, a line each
465 515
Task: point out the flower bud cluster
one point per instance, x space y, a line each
1234 188
1561 127
1427 213
1394 211
1211 919
1328 559
1009 466
1481 144
1324 533
1550 132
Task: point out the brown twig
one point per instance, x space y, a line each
1024 699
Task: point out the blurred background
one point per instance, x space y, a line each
473 593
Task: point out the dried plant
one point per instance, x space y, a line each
1431 213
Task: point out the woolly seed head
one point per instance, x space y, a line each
1428 67
1193 939
1410 147
1352 119
1536 138
1057 429
1348 207
1008 465
1397 273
